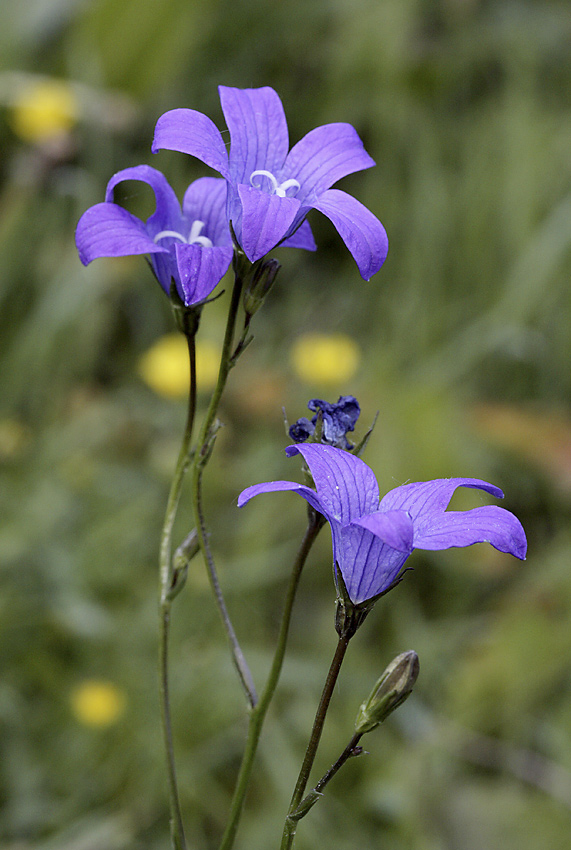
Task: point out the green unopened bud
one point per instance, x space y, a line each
390 691
259 285
182 558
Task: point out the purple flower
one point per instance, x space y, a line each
270 191
337 419
191 246
372 539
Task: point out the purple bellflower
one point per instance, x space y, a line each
191 246
372 539
337 419
270 191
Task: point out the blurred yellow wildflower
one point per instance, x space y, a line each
14 437
164 367
325 358
44 110
97 703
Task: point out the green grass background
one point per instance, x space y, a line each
466 339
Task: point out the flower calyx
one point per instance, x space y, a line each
259 284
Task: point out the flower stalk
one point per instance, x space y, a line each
205 444
259 711
168 578
291 820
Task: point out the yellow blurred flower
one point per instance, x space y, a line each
325 358
44 110
14 437
164 367
97 703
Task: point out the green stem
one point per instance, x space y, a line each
290 825
258 713
166 580
204 447
311 799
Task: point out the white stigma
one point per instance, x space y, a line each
164 234
194 237
279 189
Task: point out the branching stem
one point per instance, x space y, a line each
291 821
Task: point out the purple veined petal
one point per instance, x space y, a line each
346 486
167 215
426 499
368 565
191 132
258 131
393 527
205 200
302 238
166 270
265 220
362 232
278 486
488 524
200 270
107 230
323 157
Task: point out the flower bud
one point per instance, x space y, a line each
182 557
259 285
390 691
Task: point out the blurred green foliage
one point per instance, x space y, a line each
466 340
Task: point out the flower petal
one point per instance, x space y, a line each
324 156
265 220
488 524
346 486
258 131
368 565
205 200
426 499
393 527
191 132
274 486
200 270
167 215
302 238
361 231
107 230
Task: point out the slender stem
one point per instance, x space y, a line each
166 579
258 713
349 751
311 799
290 825
205 442
177 828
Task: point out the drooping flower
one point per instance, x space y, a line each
372 539
337 419
191 246
270 191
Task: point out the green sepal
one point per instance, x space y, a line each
187 318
